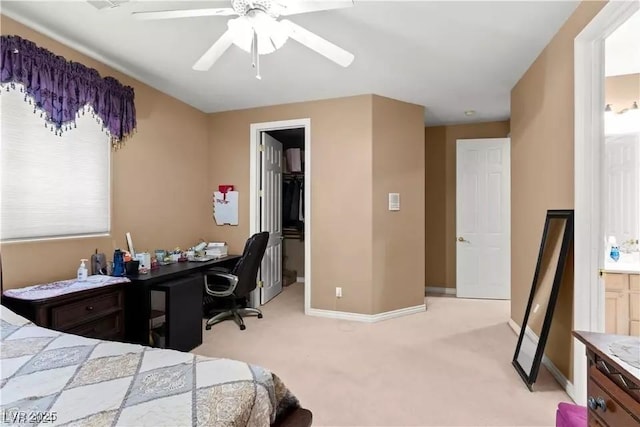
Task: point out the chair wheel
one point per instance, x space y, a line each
243 327
208 327
259 316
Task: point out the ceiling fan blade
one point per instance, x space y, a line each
188 13
294 7
317 43
215 51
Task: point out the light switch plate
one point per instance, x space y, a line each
394 201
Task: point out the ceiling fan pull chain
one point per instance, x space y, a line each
256 54
254 48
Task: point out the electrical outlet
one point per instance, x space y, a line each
339 292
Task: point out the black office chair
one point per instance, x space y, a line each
236 285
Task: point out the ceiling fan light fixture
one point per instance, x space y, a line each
271 36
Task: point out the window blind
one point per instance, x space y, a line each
51 186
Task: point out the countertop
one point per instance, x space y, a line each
621 267
627 264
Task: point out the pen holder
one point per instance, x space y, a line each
131 267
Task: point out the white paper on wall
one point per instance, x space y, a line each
225 209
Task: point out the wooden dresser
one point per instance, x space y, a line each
94 313
613 387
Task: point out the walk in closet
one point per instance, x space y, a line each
293 191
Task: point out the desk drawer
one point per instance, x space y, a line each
69 315
106 328
618 404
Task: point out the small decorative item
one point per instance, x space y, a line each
615 253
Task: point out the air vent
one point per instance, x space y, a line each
106 4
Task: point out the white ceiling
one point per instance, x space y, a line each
449 56
622 48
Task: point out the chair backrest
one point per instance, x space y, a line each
247 267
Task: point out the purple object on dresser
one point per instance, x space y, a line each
570 415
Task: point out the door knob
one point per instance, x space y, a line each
461 239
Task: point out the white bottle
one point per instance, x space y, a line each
82 271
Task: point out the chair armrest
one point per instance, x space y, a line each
231 279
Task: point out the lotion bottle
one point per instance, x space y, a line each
82 271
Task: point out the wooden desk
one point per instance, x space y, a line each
613 388
182 284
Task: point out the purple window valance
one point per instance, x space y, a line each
63 89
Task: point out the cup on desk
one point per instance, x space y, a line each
160 254
131 267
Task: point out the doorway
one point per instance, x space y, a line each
483 218
280 181
589 249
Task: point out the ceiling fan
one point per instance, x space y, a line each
258 30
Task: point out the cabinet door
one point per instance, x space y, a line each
616 312
616 282
634 304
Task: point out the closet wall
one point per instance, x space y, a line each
293 145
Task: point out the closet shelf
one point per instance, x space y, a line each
292 233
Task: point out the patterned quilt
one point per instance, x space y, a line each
52 378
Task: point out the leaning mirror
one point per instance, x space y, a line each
557 236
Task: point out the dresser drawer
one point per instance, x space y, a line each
108 327
617 404
594 421
69 315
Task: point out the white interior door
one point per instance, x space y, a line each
483 218
271 216
621 187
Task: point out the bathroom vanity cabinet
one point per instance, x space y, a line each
622 303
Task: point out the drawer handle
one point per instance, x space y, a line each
597 402
89 308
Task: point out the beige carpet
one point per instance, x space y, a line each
448 366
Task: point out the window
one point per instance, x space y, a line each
51 185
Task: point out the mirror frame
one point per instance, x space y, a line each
567 238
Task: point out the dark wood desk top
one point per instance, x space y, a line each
165 272
599 343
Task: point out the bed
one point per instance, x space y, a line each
54 378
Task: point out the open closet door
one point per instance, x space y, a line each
271 216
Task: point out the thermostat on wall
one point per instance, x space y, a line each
394 201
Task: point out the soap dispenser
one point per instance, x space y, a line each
614 252
82 271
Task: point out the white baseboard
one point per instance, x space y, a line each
300 279
439 290
553 369
367 318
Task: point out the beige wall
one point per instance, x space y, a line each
440 203
353 237
340 190
542 170
622 91
171 208
398 236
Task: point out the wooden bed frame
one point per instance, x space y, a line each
299 417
